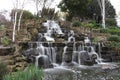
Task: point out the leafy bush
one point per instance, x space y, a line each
110 22
5 41
115 38
31 73
3 70
76 24
91 25
95 40
2 27
115 31
102 30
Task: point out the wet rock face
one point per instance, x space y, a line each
30 55
68 57
85 59
44 62
93 58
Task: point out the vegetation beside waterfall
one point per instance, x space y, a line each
82 16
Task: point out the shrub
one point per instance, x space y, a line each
91 25
115 38
31 73
76 24
110 22
5 41
2 27
114 31
3 70
102 30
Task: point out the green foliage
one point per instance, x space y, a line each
115 38
90 25
102 30
115 44
5 41
76 8
114 31
26 14
49 13
95 40
76 24
2 27
85 8
31 73
3 70
110 22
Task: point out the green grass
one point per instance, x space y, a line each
31 73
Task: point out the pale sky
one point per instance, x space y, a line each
8 5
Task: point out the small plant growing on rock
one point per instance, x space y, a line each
5 41
76 24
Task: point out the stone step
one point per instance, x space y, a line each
116 58
108 52
5 50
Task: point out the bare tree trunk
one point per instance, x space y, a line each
14 27
15 20
20 17
103 13
102 7
19 22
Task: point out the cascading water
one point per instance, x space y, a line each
75 54
52 29
51 51
94 55
99 52
41 52
82 53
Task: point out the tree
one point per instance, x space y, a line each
25 16
15 20
107 10
49 13
41 4
77 8
17 4
85 8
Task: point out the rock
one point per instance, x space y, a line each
84 58
9 62
43 62
20 59
5 51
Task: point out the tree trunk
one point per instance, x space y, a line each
14 27
20 17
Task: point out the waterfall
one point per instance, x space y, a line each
87 41
41 51
71 39
99 52
40 48
54 55
63 56
82 53
92 52
40 36
51 52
